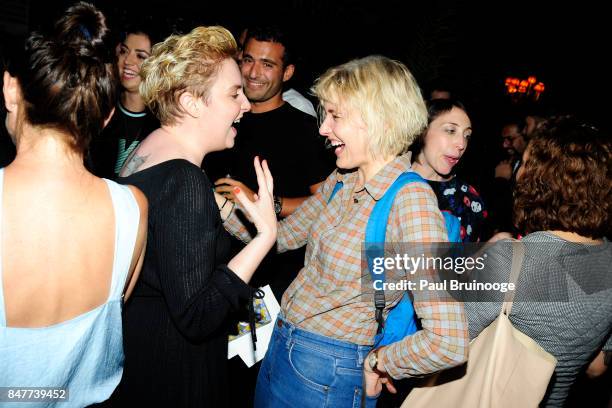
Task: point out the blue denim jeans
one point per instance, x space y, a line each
307 370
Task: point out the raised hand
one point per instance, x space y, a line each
260 209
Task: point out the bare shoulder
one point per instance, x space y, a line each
140 197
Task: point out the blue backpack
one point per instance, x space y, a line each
401 320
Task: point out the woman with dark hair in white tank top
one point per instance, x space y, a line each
71 243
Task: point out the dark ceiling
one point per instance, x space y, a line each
470 46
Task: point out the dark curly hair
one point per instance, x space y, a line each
565 183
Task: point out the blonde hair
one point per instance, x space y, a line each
385 94
183 63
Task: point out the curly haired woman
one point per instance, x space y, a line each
564 291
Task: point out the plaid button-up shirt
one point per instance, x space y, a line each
326 297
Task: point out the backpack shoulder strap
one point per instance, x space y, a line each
377 224
375 235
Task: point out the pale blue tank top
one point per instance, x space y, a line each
85 354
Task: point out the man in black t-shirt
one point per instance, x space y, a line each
274 130
514 143
289 140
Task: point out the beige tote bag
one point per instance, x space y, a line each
505 367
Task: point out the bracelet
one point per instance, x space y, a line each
278 205
230 212
225 202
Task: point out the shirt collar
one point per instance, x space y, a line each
378 185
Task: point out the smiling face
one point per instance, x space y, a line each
513 141
445 142
264 72
347 133
226 103
131 53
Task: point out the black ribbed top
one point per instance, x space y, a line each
175 322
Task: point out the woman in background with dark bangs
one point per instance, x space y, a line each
132 121
436 152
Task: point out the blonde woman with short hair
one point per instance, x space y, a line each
175 325
321 349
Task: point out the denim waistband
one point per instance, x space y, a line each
337 348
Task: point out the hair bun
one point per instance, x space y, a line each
83 28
